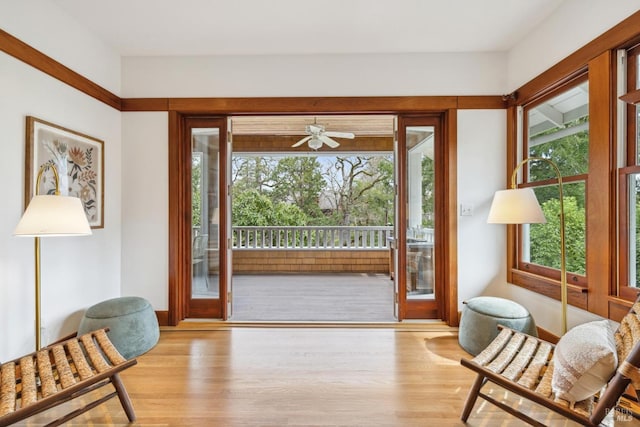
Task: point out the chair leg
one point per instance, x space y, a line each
472 397
124 397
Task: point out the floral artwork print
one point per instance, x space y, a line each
78 160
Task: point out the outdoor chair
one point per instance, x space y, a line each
524 365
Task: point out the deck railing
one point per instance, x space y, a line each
311 237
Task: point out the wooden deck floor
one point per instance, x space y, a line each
317 297
331 297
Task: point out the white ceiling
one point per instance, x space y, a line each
293 27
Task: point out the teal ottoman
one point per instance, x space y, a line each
132 322
481 317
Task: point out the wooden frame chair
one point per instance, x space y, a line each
523 365
59 373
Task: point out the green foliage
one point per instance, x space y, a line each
570 154
196 191
298 180
353 190
545 238
360 190
250 208
428 193
637 238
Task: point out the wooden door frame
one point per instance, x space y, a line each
181 305
179 109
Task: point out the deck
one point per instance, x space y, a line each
344 297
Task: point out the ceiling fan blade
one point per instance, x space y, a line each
348 135
302 141
330 142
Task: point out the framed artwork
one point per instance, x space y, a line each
79 160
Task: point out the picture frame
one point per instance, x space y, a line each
79 160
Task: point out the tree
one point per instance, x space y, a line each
545 238
350 178
250 208
298 180
252 172
570 154
375 206
196 191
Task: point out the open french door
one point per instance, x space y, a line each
208 290
419 219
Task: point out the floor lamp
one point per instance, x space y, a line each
50 216
520 206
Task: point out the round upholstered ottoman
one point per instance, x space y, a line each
132 322
481 317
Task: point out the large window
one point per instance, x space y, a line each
630 188
557 129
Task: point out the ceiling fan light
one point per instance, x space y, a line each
315 143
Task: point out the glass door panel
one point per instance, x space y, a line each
420 212
205 213
421 198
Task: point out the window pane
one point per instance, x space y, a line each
205 213
637 130
420 215
558 129
634 229
542 241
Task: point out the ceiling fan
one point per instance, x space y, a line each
318 136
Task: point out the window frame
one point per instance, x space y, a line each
546 276
631 167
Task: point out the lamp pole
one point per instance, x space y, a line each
563 265
56 178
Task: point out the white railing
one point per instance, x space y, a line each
311 237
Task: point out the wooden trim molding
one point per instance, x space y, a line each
163 317
315 105
30 56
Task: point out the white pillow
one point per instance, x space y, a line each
584 361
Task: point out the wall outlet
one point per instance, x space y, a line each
466 209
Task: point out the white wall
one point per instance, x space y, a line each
481 171
47 28
574 24
76 272
315 75
145 224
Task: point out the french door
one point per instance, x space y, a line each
419 220
200 220
209 284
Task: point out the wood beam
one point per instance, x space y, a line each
282 143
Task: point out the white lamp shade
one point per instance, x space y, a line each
53 216
515 206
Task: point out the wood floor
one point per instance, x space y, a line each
301 376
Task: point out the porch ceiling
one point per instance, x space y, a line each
373 133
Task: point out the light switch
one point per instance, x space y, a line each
466 209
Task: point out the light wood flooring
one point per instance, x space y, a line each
301 376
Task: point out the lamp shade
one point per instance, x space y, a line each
515 206
49 215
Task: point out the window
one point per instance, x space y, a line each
630 189
557 128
